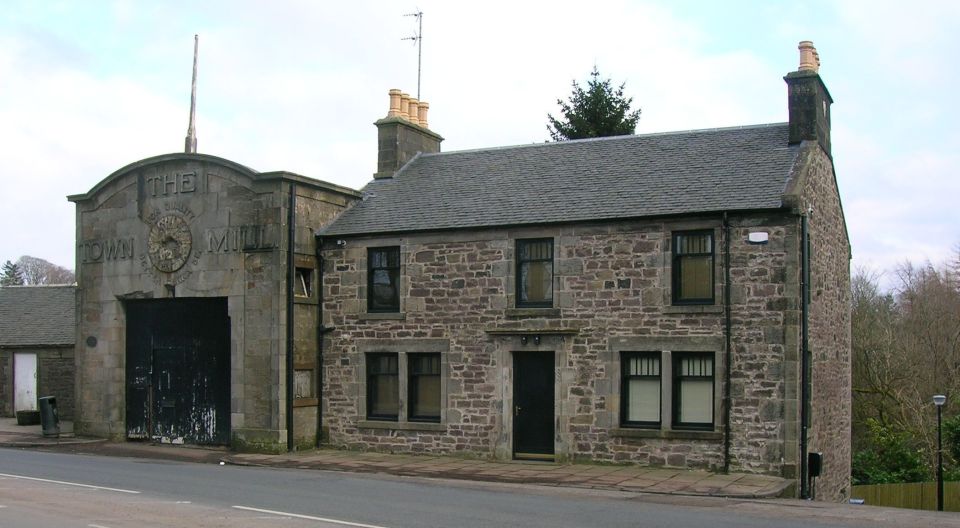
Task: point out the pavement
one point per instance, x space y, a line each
609 477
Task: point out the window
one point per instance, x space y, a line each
383 386
302 280
693 390
640 389
424 386
535 273
693 267
383 279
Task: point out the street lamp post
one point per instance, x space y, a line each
939 400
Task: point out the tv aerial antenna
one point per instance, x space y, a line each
418 40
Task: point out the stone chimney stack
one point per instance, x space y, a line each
403 134
808 100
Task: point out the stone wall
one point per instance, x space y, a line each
56 378
611 294
830 341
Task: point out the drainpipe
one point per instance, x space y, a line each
320 331
291 276
804 354
728 353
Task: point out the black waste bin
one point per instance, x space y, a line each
49 419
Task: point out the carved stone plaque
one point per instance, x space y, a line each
169 243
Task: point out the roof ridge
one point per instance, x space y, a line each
606 138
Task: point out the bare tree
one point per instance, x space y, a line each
37 271
906 347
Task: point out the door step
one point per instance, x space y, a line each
543 457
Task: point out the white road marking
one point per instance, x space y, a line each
97 526
69 483
309 517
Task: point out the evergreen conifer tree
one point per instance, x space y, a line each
598 111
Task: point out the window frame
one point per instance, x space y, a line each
393 272
677 379
677 257
412 387
625 377
372 385
520 303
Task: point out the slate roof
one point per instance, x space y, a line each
36 316
593 179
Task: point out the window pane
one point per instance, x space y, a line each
422 364
644 400
537 281
426 403
385 395
696 401
696 277
383 279
385 292
383 386
535 272
700 243
424 386
644 366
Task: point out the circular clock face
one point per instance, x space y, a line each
169 243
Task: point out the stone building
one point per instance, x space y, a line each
677 299
197 305
36 347
674 299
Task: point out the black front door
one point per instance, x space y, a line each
533 414
178 370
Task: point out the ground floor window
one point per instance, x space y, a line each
693 390
424 384
383 386
404 386
640 386
686 393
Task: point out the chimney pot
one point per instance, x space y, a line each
809 58
422 114
413 111
394 103
405 106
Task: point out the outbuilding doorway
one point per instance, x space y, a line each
178 370
24 381
533 405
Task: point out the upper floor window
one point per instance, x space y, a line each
693 390
383 279
693 267
535 272
640 389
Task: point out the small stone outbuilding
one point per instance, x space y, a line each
37 325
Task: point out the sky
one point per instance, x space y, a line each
89 87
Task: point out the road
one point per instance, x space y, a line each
45 489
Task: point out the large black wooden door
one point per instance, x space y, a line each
533 413
178 370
